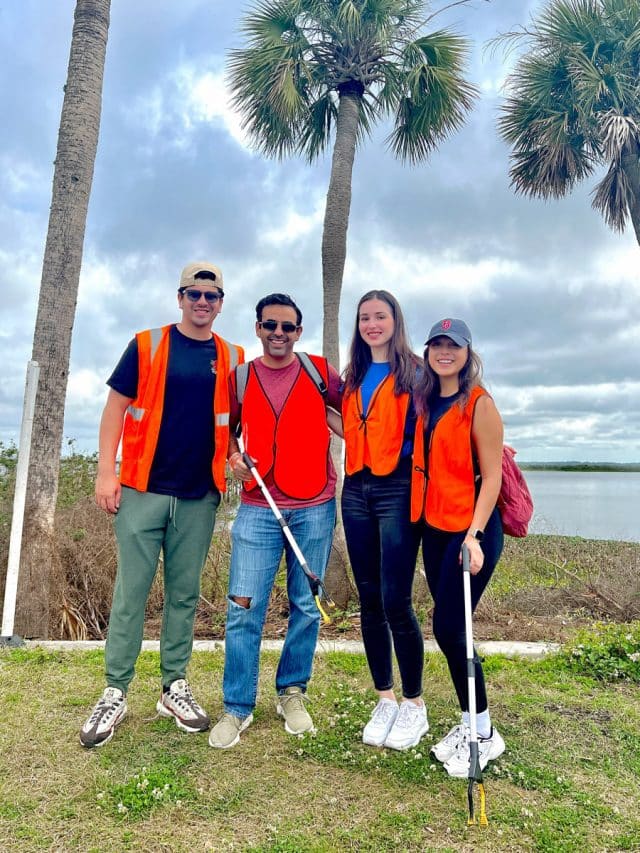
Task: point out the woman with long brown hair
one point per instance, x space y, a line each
379 420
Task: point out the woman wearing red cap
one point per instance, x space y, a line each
457 472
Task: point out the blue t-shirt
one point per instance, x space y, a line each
376 372
182 462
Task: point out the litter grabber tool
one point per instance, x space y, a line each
475 771
318 588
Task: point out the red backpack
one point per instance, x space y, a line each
514 501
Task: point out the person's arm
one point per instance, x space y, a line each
487 433
334 401
334 419
108 489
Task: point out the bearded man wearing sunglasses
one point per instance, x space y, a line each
169 402
283 422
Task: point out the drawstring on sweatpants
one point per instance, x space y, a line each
173 506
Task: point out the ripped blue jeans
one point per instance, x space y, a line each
257 545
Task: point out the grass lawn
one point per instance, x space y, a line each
569 780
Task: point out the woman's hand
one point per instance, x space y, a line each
476 557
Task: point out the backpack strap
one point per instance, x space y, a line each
242 375
313 372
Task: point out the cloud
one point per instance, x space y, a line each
550 293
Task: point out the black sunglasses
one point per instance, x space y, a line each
193 295
271 325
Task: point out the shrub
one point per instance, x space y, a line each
608 652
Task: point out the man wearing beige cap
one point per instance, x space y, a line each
169 402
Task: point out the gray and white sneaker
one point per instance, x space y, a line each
489 748
446 747
409 726
109 712
226 732
178 702
379 725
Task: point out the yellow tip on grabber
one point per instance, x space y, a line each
482 817
325 616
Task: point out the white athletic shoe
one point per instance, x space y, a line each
108 713
409 726
178 702
489 748
379 725
446 747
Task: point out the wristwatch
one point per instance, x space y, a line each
476 533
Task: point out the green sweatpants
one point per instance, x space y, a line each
145 525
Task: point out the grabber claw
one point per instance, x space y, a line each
482 819
325 616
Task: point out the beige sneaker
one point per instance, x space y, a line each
291 706
226 732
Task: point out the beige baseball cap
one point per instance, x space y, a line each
188 275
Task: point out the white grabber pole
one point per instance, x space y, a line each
317 587
15 541
475 771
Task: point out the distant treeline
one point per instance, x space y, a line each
580 466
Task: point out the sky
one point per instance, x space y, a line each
550 293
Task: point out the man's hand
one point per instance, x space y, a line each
108 491
238 468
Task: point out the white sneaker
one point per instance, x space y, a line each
108 713
489 748
178 702
445 748
409 726
379 725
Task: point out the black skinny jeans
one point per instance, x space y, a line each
383 546
441 553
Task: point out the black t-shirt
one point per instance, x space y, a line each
182 462
438 406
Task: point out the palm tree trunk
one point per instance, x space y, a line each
334 252
73 175
631 166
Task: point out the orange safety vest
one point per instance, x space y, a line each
446 496
374 440
144 415
294 445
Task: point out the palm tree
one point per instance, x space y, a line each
72 178
315 67
574 105
312 67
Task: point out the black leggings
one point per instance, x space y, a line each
383 546
441 555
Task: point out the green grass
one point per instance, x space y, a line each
569 780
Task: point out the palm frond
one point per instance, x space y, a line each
613 197
316 133
432 96
618 131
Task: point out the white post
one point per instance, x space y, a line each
22 470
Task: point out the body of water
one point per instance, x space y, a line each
603 505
